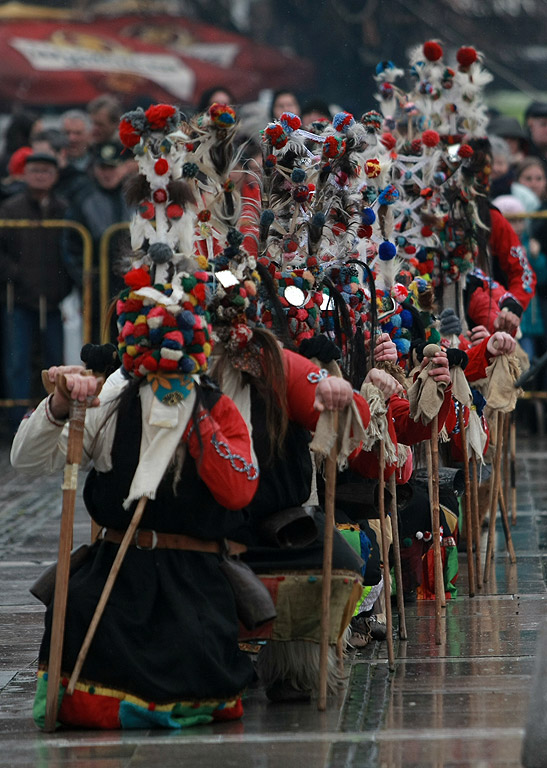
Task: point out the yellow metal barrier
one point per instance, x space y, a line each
104 274
87 276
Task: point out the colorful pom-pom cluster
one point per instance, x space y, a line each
163 338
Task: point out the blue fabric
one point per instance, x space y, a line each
21 332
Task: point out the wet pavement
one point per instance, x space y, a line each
461 703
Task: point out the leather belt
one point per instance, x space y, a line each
145 538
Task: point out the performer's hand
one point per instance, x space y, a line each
507 321
78 386
440 371
478 334
333 394
385 382
500 343
385 349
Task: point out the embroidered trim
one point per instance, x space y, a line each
517 252
238 463
315 378
50 417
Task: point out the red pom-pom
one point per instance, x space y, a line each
430 138
365 231
159 196
137 278
410 249
465 151
432 50
275 133
466 56
161 166
128 136
388 140
174 211
416 146
204 215
291 246
146 209
158 114
426 231
291 120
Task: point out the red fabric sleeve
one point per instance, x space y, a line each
478 361
409 431
508 251
225 451
302 379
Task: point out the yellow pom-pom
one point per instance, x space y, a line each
207 349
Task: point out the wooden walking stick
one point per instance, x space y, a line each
467 497
436 528
512 465
475 520
330 493
128 537
397 558
77 411
506 427
385 557
495 482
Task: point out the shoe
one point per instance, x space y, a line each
284 690
369 626
378 629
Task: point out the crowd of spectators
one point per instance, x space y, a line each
73 167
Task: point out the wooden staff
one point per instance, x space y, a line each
397 558
385 557
495 484
74 453
467 497
128 537
506 423
475 520
512 465
436 527
330 494
506 528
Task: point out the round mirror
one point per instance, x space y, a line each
295 296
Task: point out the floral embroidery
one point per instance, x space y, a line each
517 252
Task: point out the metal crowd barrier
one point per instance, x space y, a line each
88 272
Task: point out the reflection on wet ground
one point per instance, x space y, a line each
461 703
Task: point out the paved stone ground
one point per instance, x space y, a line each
461 703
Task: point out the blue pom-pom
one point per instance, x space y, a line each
171 344
387 327
396 320
156 335
403 346
387 251
318 219
382 66
298 175
188 336
406 318
185 319
186 365
368 217
267 217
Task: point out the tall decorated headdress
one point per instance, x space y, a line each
162 314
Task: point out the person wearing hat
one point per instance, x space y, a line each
98 206
536 120
511 130
33 282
